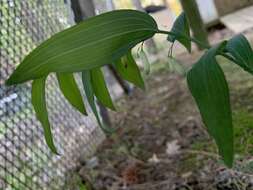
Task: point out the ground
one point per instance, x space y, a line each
162 144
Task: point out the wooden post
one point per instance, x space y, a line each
191 10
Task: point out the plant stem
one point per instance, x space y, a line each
228 57
204 46
190 39
165 32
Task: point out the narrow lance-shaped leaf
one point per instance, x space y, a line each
241 50
39 104
128 70
100 89
181 30
93 43
86 79
71 91
209 88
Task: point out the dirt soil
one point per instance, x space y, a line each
162 144
154 145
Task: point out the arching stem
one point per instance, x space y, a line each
204 46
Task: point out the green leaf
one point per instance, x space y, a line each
71 91
145 61
86 79
209 88
100 88
181 30
39 104
241 50
93 43
128 70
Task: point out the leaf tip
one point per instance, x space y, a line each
113 108
142 86
84 112
9 81
227 155
82 109
108 130
228 160
15 78
54 150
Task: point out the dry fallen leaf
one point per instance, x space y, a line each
154 159
172 148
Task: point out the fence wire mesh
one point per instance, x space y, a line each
25 160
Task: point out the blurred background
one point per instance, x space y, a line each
160 141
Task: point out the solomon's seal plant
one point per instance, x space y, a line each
108 39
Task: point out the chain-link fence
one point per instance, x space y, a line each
25 160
